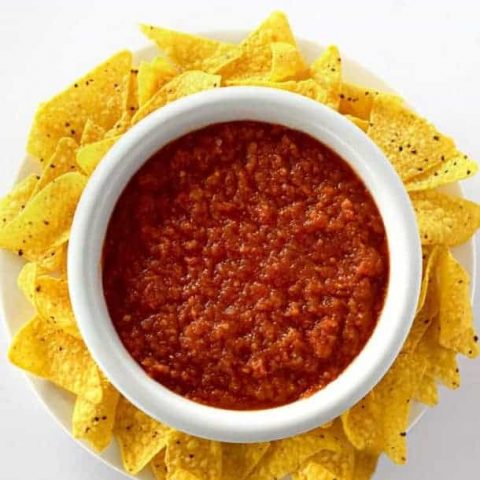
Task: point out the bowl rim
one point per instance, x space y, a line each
114 172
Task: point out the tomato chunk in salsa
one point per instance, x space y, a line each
245 265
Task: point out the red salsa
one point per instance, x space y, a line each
245 265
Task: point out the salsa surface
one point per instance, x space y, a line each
245 265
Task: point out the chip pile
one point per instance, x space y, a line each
74 130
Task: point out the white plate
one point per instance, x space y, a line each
16 310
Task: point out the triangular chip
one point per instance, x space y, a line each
158 465
45 221
365 465
94 422
58 357
256 57
411 143
96 96
286 456
239 459
455 316
453 170
14 202
427 392
327 71
356 100
359 122
444 219
185 84
152 76
287 63
89 156
190 52
62 161
199 457
139 436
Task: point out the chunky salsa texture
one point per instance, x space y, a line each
245 265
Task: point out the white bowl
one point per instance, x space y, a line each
113 174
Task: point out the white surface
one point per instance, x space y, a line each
428 50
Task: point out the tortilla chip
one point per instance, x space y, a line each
181 474
45 221
55 259
412 144
91 133
455 316
441 362
190 52
453 170
94 422
152 76
123 124
327 71
199 457
287 63
239 459
89 156
13 203
159 467
62 161
185 84
444 219
139 436
56 356
360 123
26 280
96 96
130 92
256 52
356 100
429 269
379 422
365 465
52 301
286 456
427 392
330 464
307 88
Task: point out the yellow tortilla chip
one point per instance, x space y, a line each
256 56
287 63
55 259
181 474
444 219
429 269
26 280
330 464
359 122
441 362
185 84
94 422
307 88
91 133
14 202
152 76
130 92
89 156
158 465
56 356
327 71
379 422
427 392
123 124
190 52
96 96
52 301
365 465
199 457
286 456
239 459
412 144
62 161
356 100
139 436
453 170
45 221
455 316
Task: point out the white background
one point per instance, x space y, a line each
428 50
